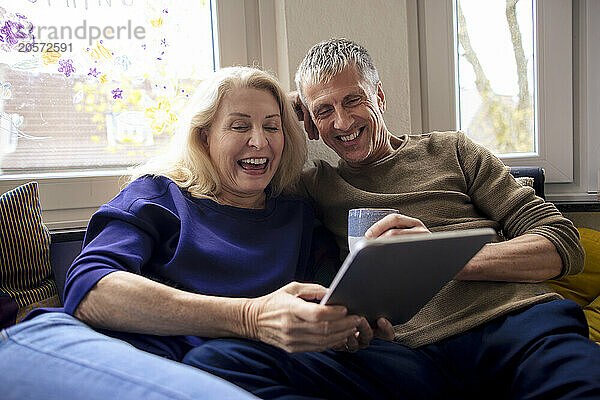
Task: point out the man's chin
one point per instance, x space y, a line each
352 158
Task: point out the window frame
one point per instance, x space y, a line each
554 97
244 33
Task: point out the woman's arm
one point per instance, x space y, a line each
285 318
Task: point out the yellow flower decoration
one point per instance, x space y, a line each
161 115
156 22
134 97
98 118
100 52
50 57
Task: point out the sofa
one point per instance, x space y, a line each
34 261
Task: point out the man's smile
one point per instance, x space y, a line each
352 136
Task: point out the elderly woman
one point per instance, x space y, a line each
201 244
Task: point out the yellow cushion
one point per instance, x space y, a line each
584 288
592 314
25 272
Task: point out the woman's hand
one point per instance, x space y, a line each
290 319
394 225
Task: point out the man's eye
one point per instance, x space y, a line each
353 101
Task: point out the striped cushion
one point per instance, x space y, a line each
25 272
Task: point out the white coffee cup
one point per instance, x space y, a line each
361 219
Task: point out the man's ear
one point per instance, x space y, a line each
380 97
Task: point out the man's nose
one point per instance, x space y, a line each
342 120
258 138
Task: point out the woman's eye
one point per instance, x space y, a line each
324 113
239 127
272 128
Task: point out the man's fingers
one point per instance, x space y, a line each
406 231
303 115
294 98
309 126
399 222
384 330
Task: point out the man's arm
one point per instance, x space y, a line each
526 258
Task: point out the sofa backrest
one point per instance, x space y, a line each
66 245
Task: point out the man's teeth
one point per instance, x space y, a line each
255 161
350 137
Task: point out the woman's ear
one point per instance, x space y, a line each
204 138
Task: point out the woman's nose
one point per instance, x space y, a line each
257 139
342 120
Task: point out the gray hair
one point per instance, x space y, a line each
187 162
328 58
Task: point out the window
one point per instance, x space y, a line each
495 74
97 85
454 55
242 33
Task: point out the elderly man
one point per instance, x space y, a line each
492 332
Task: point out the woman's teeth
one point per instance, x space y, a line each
350 137
253 163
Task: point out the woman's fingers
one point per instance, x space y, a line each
307 308
352 344
285 319
365 334
308 342
307 291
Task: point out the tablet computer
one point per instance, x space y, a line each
395 277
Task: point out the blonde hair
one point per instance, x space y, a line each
328 58
187 162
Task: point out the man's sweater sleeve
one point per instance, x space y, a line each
518 210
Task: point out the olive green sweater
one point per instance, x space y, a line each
448 182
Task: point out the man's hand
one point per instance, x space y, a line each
303 115
362 338
394 225
289 319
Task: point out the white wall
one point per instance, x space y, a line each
378 25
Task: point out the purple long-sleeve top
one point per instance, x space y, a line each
155 229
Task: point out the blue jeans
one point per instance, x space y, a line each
55 356
538 353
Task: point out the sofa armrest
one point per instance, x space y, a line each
538 175
64 247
